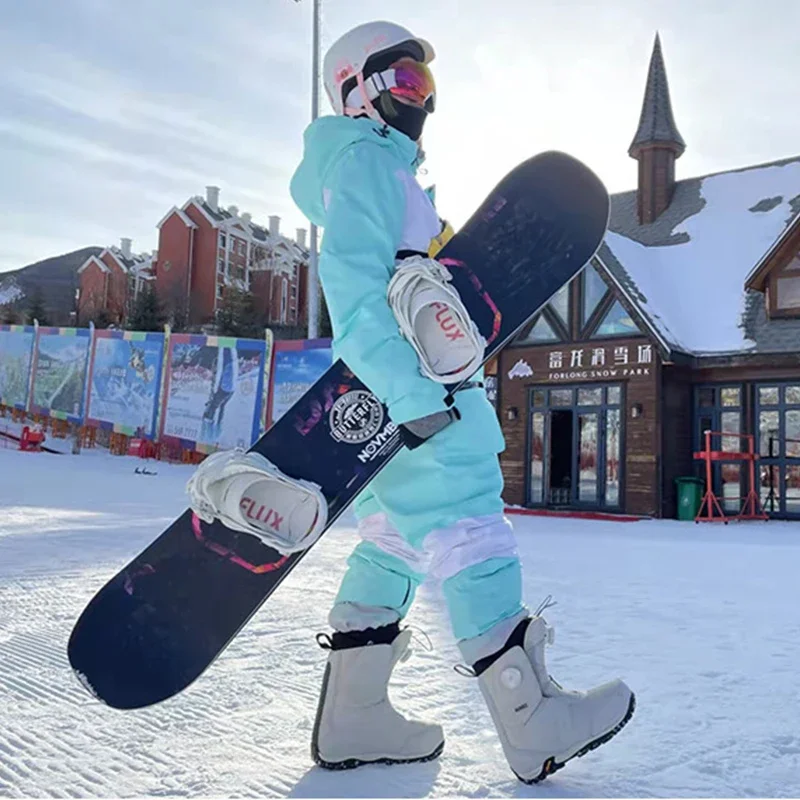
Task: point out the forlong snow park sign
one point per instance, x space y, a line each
198 392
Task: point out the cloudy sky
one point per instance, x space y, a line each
112 111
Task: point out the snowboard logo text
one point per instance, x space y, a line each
447 323
260 513
356 417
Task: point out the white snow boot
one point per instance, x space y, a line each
356 723
540 724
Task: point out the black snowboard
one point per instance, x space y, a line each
158 624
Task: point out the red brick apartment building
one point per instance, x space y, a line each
109 281
204 248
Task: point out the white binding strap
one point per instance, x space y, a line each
444 333
246 492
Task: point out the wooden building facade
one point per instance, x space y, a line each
687 320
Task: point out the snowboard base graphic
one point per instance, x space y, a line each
158 624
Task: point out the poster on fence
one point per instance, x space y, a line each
298 363
16 352
213 392
124 382
59 372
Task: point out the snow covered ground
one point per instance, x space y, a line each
702 621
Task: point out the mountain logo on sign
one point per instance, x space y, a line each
522 369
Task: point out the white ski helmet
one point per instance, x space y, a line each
376 42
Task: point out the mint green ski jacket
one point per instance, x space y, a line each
357 181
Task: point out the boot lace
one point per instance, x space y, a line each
465 671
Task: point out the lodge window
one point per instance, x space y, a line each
783 291
560 304
616 322
541 331
222 241
778 415
585 308
720 409
788 292
594 290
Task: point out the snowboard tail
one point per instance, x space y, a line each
164 618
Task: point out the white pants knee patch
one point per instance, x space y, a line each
467 542
378 529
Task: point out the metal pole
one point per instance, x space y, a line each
313 266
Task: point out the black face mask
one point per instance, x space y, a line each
404 118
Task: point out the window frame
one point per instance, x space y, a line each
576 330
789 271
588 323
595 336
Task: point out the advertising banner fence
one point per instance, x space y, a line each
60 364
16 354
213 391
125 382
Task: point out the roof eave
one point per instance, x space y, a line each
180 214
756 278
193 201
92 260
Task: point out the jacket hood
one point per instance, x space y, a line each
325 141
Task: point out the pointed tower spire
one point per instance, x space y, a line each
656 123
657 143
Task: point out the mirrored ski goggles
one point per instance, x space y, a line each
406 79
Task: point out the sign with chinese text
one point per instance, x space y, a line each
596 362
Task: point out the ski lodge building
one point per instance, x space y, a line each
687 320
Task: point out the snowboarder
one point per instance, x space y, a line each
222 389
436 509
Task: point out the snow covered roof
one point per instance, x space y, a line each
10 291
686 271
133 264
243 226
93 260
181 215
142 266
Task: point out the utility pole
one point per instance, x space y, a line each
313 266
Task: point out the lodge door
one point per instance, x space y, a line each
574 446
778 424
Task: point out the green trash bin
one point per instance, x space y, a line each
690 496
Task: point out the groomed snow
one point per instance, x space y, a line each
695 291
702 621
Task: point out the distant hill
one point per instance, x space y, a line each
55 278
